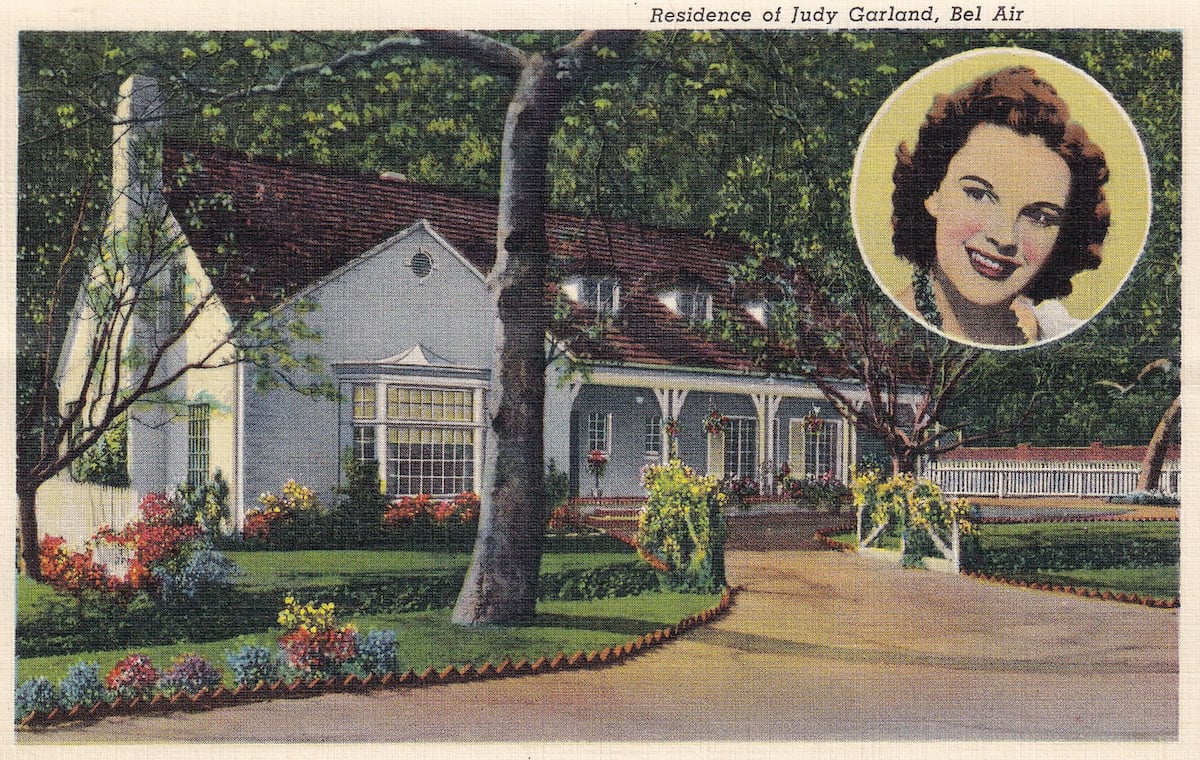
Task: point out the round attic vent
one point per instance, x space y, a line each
422 264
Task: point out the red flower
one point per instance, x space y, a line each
309 651
135 674
467 500
443 511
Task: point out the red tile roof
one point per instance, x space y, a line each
269 229
1023 452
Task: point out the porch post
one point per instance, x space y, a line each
766 406
670 402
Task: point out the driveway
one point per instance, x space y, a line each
820 646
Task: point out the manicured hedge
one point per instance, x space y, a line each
598 582
1082 555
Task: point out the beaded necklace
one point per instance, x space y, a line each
923 295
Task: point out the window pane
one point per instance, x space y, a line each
364 402
364 443
693 304
740 450
428 405
198 444
597 431
438 461
653 436
820 447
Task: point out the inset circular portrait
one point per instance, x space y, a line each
1001 197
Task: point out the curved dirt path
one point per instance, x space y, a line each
820 646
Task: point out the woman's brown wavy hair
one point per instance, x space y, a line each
1016 98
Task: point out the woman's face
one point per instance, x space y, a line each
998 211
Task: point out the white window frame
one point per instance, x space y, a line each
652 437
598 432
447 471
819 450
741 440
442 417
199 444
694 303
601 294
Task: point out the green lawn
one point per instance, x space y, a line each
429 638
1161 582
425 638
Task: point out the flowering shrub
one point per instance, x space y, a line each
377 652
467 504
566 518
189 673
816 490
207 504
683 525
206 571
36 694
157 541
424 520
134 676
83 685
910 502
275 510
252 665
314 643
406 509
73 572
739 489
163 552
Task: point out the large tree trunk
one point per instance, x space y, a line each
501 585
1156 450
27 533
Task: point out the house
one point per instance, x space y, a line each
391 275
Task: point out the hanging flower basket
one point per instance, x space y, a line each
597 460
715 422
813 423
671 426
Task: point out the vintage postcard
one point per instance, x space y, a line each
753 378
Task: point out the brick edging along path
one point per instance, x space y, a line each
208 699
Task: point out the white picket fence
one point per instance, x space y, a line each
76 511
1018 478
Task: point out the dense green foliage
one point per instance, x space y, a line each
356 518
1013 549
683 525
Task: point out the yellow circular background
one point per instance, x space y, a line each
900 118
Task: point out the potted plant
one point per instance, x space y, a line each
715 422
597 460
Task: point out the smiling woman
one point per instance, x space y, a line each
1016 208
1002 202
